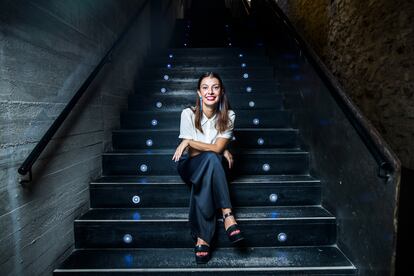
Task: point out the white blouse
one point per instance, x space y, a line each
189 131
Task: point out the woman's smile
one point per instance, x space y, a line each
211 98
210 89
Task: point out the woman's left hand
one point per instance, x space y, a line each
229 157
180 149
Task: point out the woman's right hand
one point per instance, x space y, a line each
180 149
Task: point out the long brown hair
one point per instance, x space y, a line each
222 115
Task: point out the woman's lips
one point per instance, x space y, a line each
210 98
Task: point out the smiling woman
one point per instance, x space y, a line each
206 131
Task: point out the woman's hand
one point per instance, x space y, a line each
180 149
229 157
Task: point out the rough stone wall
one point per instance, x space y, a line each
47 49
369 47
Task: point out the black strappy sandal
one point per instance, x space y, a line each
202 248
235 237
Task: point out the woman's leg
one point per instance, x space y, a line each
209 191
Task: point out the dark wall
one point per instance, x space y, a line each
368 46
47 49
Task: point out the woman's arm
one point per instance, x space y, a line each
219 146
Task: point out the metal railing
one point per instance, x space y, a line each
386 160
26 166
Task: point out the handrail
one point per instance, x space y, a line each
41 145
246 6
386 159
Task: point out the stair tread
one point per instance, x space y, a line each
171 151
231 259
168 112
181 214
176 179
177 129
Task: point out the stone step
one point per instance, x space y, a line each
169 227
168 138
309 260
178 100
159 162
257 119
161 191
233 86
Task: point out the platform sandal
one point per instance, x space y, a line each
234 238
202 259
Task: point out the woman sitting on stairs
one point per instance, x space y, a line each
206 130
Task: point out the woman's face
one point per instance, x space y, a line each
210 91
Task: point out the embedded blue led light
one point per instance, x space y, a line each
169 65
273 197
136 216
248 89
245 76
148 142
127 238
154 122
128 260
158 104
229 43
282 237
136 199
243 65
185 44
266 167
143 168
234 138
143 180
170 56
163 90
251 103
241 55
256 121
166 77
260 141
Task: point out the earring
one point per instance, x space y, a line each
220 103
201 104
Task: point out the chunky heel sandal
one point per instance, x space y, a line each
233 232
202 248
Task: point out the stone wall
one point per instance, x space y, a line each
47 49
369 47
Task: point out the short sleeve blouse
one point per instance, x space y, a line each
189 131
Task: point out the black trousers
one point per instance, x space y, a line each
207 174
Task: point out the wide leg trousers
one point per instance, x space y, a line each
207 175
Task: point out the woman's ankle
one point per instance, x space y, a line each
225 210
201 241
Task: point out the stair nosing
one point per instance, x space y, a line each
238 181
167 152
192 269
177 129
329 216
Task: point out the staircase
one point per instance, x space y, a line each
139 207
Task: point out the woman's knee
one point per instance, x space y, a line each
213 156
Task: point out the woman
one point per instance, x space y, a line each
206 130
